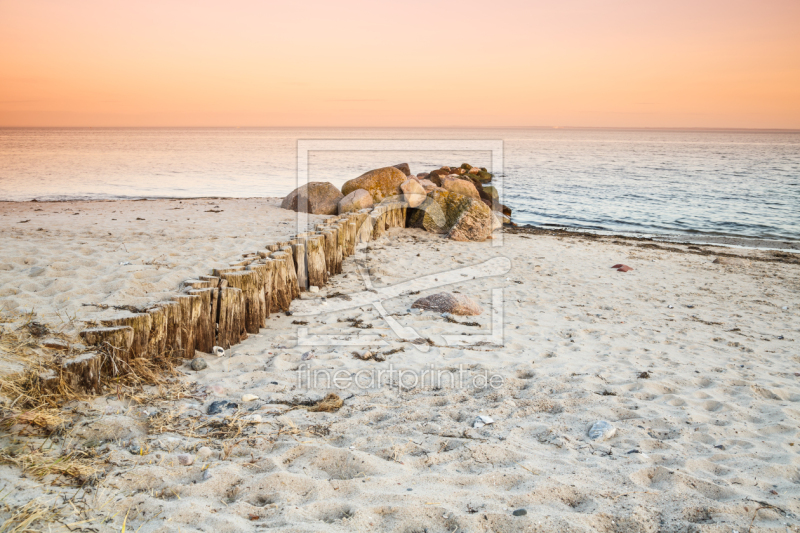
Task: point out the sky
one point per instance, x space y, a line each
415 63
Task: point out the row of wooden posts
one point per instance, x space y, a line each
222 308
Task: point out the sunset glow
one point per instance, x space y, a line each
717 64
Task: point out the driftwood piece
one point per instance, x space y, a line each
204 326
141 324
231 328
315 255
190 309
255 308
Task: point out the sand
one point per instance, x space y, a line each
695 364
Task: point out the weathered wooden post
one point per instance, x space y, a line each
255 311
204 326
231 328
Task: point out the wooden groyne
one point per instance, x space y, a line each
222 308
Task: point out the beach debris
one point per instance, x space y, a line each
601 430
366 355
135 448
644 375
313 288
482 420
220 405
125 263
322 198
219 351
330 403
622 268
520 512
198 364
355 201
185 459
308 355
445 302
249 398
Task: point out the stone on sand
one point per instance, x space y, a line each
323 198
447 302
476 223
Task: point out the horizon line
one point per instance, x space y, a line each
616 128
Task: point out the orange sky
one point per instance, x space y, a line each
614 63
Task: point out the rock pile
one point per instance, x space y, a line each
456 201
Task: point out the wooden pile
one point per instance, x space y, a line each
223 308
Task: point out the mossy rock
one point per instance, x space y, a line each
484 177
380 183
466 166
439 212
488 192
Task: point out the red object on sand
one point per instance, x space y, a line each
624 268
618 265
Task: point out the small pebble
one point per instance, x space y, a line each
199 364
313 289
520 512
204 453
249 398
185 459
601 430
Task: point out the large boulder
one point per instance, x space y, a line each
476 223
447 302
380 183
404 168
439 212
413 193
323 198
460 186
355 201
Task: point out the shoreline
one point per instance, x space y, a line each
732 241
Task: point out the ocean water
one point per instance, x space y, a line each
736 184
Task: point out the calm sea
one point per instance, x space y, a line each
739 184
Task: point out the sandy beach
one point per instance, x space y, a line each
693 362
